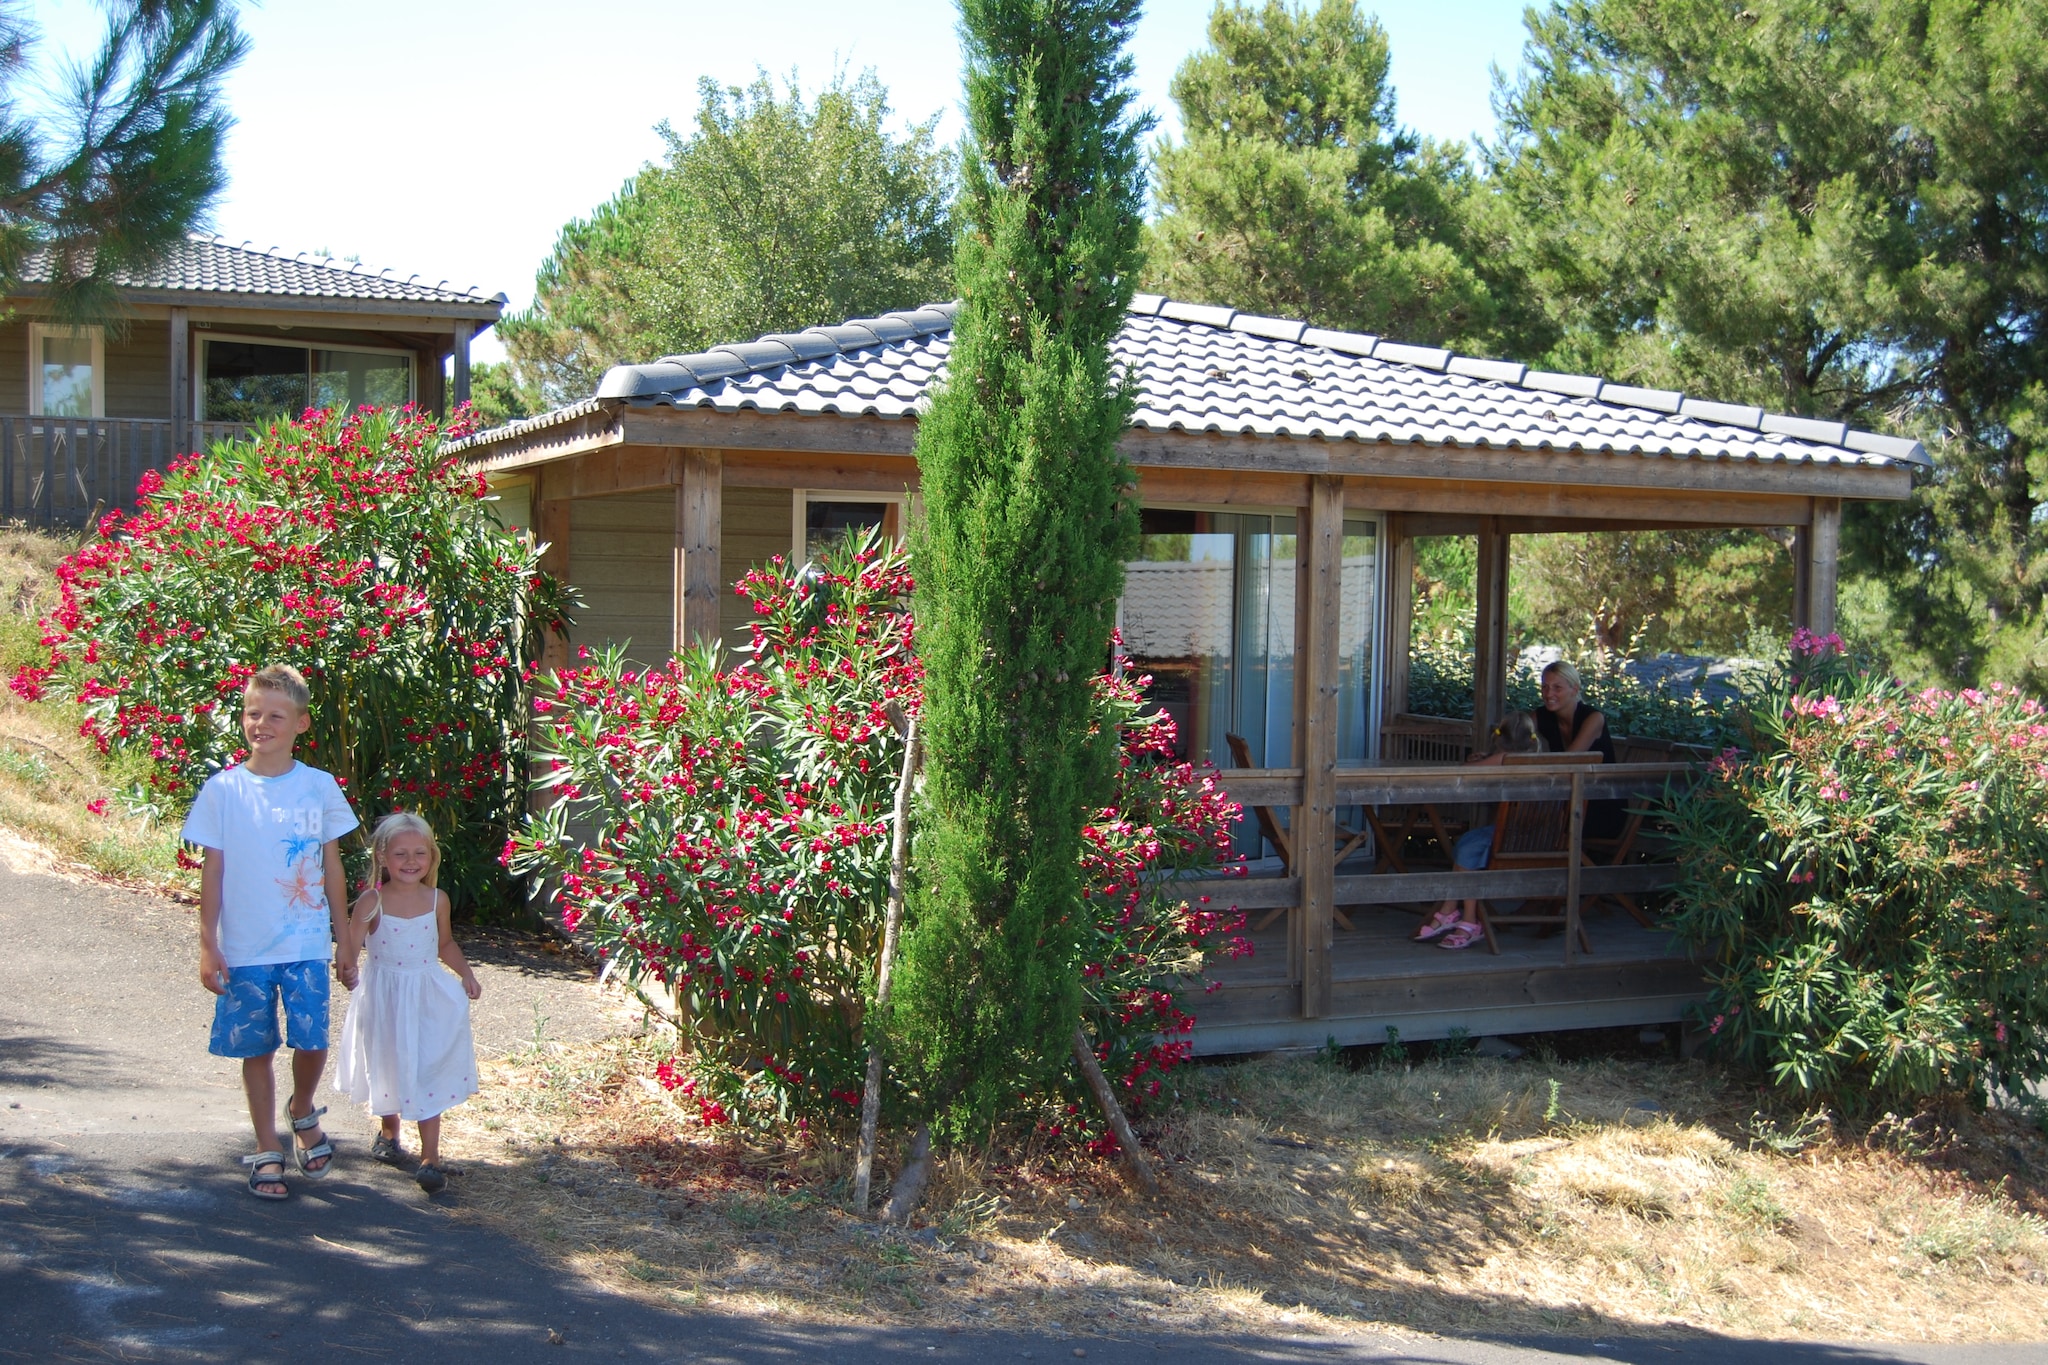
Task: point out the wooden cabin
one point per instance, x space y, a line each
213 338
1284 473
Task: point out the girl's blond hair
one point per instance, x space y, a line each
1517 734
389 828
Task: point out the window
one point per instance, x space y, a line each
822 518
1208 612
67 371
244 380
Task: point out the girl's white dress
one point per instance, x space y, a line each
405 1047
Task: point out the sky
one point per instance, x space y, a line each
452 138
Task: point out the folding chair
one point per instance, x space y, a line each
1349 840
1533 834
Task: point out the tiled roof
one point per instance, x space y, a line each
214 265
1205 369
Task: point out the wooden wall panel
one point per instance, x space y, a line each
14 364
139 372
757 525
619 552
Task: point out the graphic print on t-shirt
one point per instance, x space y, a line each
303 885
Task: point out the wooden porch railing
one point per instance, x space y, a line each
1411 784
64 471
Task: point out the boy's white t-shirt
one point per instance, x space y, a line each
271 833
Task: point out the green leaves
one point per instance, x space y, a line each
1869 883
774 213
1297 194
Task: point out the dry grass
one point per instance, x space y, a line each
1456 1197
48 772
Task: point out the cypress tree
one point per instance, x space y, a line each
1027 523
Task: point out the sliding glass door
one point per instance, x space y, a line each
1208 612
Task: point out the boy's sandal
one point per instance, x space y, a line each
267 1186
320 1149
430 1178
1463 935
1437 925
385 1149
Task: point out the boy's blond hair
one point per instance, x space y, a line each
285 679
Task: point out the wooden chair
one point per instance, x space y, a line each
1533 834
1349 840
1615 849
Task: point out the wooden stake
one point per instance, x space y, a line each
1084 1053
892 924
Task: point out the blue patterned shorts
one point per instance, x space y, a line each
245 1018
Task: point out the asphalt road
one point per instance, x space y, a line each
126 1232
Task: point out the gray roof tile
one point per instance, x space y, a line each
213 265
1206 369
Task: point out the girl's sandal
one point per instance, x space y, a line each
265 1186
320 1149
1462 935
430 1178
1437 925
386 1150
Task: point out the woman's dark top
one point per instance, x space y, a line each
1604 819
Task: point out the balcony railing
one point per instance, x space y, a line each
65 471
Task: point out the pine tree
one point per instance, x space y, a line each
1027 522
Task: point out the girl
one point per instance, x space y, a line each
405 1048
1456 923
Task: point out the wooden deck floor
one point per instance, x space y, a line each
1381 980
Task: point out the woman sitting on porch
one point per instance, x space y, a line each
1569 726
1457 922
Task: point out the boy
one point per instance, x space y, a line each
272 904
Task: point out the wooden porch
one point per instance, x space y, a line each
1310 980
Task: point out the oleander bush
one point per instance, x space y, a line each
1869 884
354 547
722 834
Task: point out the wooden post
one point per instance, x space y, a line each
1575 844
1490 632
429 392
465 332
1399 616
1319 559
181 379
551 528
699 498
1802 574
1822 572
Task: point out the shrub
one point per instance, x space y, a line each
1870 883
724 835
353 548
1440 684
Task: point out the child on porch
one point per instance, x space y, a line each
1456 922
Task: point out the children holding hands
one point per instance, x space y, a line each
273 906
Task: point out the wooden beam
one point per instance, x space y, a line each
465 332
797 469
1318 597
1262 786
1537 469
1802 576
551 528
733 431
1398 617
616 469
699 501
1223 487
1825 546
1570 502
181 379
1490 633
428 389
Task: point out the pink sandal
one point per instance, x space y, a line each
1463 935
1437 925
